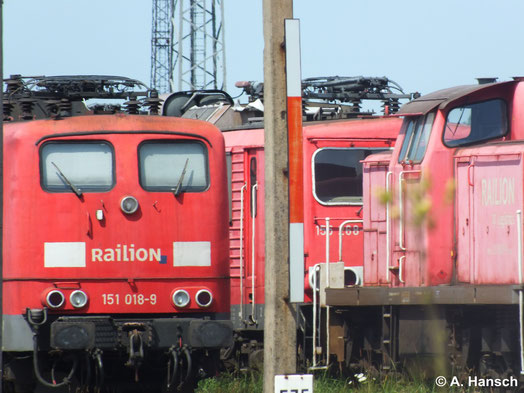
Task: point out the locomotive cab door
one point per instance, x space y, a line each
253 283
407 230
247 236
463 215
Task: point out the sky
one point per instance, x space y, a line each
421 45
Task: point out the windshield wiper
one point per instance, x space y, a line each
178 187
75 189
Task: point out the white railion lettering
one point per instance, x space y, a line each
141 254
504 191
96 255
489 200
154 255
118 253
498 191
132 252
109 255
484 192
125 253
472 380
511 191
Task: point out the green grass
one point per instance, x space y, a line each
252 383
229 384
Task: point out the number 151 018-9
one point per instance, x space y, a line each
128 299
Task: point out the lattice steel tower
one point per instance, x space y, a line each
187 45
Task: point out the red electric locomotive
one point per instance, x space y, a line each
336 137
115 241
443 244
332 197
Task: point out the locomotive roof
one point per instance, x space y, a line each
365 128
109 124
441 98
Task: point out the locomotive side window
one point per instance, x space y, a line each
475 123
337 175
77 166
417 132
173 166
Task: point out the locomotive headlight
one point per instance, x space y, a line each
53 299
78 298
204 298
129 204
181 298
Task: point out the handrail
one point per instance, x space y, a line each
388 225
314 280
519 244
253 210
328 228
401 209
328 276
340 235
521 295
244 187
470 166
401 268
328 355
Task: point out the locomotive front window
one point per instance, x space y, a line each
417 132
475 123
77 166
337 175
173 166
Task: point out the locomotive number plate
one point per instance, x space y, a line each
348 230
135 299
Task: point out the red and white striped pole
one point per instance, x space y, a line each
295 154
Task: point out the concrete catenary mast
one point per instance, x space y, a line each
187 45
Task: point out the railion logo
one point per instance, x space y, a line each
128 253
498 191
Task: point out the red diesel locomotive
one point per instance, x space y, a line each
443 241
115 241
